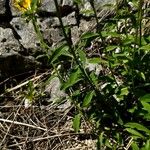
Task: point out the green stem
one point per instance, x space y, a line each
138 37
39 34
140 13
103 103
71 48
96 18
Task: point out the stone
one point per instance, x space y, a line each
48 5
29 39
13 63
7 41
53 88
56 35
19 44
2 7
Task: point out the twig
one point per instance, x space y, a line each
48 137
23 124
9 128
23 84
129 144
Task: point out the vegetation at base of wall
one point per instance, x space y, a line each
113 94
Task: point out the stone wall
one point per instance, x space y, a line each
19 45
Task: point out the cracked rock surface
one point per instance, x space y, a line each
19 45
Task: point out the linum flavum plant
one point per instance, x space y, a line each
116 101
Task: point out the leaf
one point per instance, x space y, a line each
146 106
113 34
145 98
134 132
145 47
111 48
142 76
124 91
88 35
88 98
138 127
87 12
94 60
129 40
34 4
73 79
134 146
146 146
97 60
100 141
76 122
78 1
59 51
82 56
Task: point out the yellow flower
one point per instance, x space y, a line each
22 5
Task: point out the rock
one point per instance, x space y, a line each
2 8
48 5
57 96
29 39
14 63
56 35
7 41
53 89
19 44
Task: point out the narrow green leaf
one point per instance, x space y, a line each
101 140
134 132
73 79
76 122
145 47
88 35
143 76
88 98
145 98
111 48
82 56
146 146
138 127
146 106
63 49
87 12
34 4
78 1
134 146
94 60
124 91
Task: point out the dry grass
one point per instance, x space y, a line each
43 127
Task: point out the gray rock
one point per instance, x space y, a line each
7 41
67 21
67 2
15 12
11 48
29 39
48 5
53 89
56 35
103 2
57 96
2 7
75 32
14 63
11 62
